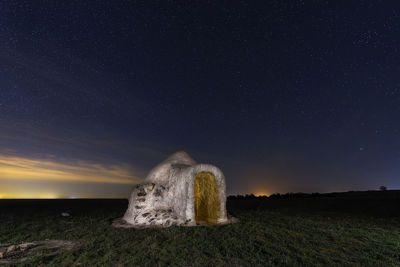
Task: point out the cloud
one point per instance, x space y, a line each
19 168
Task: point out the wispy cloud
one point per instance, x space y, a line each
19 168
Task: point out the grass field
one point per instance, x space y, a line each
343 230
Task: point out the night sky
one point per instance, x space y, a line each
283 96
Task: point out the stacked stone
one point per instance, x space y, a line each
147 198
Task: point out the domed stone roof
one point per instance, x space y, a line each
160 173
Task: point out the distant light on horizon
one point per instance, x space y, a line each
260 194
27 178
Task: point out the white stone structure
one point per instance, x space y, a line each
178 191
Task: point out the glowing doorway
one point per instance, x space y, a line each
206 198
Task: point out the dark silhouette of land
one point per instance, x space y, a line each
384 203
369 203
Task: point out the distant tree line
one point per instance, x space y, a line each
382 189
275 196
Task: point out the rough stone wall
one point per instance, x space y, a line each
178 189
147 207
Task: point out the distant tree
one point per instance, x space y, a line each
249 196
315 194
383 188
275 195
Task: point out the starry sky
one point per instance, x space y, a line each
283 96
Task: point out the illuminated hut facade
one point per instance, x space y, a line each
178 191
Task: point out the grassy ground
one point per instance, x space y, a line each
295 232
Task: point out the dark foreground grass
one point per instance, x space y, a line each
265 236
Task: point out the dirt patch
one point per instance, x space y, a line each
10 254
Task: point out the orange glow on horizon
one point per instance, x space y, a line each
262 193
19 175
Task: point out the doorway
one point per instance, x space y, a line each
206 198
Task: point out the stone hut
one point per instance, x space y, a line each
178 191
